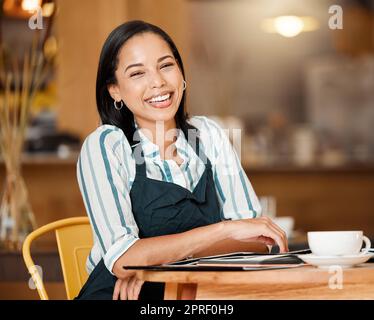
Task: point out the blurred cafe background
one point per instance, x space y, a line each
300 87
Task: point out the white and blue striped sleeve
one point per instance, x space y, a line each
235 192
103 182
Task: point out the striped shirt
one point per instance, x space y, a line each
106 170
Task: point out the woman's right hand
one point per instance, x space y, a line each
261 229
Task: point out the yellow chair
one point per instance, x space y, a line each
74 241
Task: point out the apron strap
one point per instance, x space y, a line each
194 141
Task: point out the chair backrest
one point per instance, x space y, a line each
74 241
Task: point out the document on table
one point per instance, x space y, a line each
233 261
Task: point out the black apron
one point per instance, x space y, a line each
160 208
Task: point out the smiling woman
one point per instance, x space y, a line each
138 64
158 185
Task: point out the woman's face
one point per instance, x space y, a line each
149 80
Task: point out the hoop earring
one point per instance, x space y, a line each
184 85
115 105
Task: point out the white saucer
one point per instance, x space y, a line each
342 261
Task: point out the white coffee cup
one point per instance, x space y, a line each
337 243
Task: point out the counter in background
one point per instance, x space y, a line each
319 198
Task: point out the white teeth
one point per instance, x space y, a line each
160 98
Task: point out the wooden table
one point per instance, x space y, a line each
306 282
